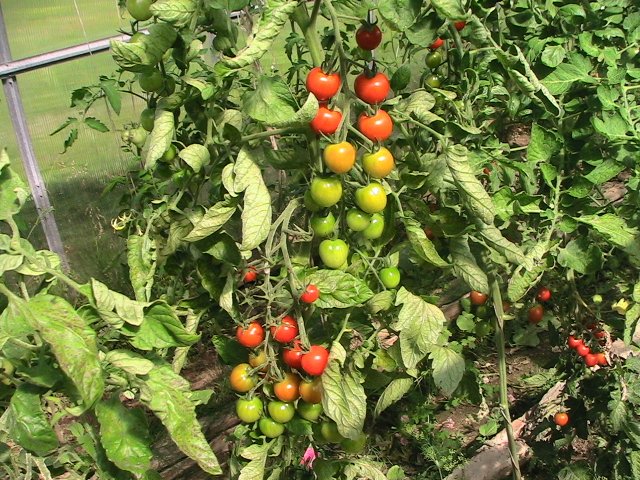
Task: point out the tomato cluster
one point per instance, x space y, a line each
590 346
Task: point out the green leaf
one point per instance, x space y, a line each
381 301
448 369
140 56
575 471
542 146
419 104
256 213
472 193
362 468
257 454
196 156
396 473
95 124
419 324
160 139
617 410
338 289
401 78
269 26
581 255
176 12
465 265
344 400
301 118
130 362
553 55
141 258
229 350
393 392
399 14
13 191
126 310
494 239
27 423
166 394
124 434
565 76
10 262
604 171
111 92
612 126
271 102
421 244
450 9
161 328
616 231
213 220
633 457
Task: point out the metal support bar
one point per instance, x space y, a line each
34 176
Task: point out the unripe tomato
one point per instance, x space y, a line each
339 157
151 81
270 428
354 446
478 298
437 43
368 37
536 313
334 253
259 360
311 390
250 336
434 81
357 220
326 121
250 275
544 294
371 198
241 379
281 412
315 361
148 119
372 90
309 411
329 431
310 203
375 228
168 87
583 350
286 331
433 60
138 136
376 128
483 328
293 356
561 419
287 389
249 410
590 360
323 85
310 294
574 342
170 154
326 191
597 299
323 226
139 9
390 277
378 164
460 25
137 37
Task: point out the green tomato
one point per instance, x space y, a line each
148 119
323 226
375 228
390 277
597 299
334 253
140 9
354 446
483 328
434 81
270 428
329 432
170 154
372 198
482 311
327 191
137 37
249 410
138 136
151 81
310 203
309 411
357 220
433 59
281 412
168 87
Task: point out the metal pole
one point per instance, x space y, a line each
34 176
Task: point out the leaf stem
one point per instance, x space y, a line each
270 133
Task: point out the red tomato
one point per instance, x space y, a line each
293 356
310 295
478 298
574 342
286 331
460 25
311 391
600 334
250 336
583 350
535 314
590 360
602 359
372 89
376 128
315 361
561 419
437 43
251 275
286 389
544 294
368 37
326 121
323 85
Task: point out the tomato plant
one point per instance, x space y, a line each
339 157
326 121
434 59
311 390
139 9
544 294
371 198
378 164
334 253
241 378
375 229
270 428
310 294
323 226
326 191
390 277
561 419
315 360
377 127
369 37
309 411
372 88
281 412
535 314
249 410
293 356
250 336
357 220
323 85
250 275
287 389
286 330
478 298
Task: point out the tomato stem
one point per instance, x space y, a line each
308 26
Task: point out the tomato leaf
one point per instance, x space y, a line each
465 265
542 145
126 310
196 156
13 191
399 14
421 243
448 369
616 231
27 423
130 362
338 289
449 9
344 400
272 102
302 117
213 220
494 239
393 392
160 139
360 468
141 259
176 12
581 255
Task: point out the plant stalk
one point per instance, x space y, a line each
308 26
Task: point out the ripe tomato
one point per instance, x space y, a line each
561 419
151 81
323 85
602 359
375 228
326 191
334 253
270 428
310 294
478 298
354 446
286 331
433 60
574 342
378 164
249 410
583 350
371 198
148 119
428 231
326 121
287 388
309 411
323 226
434 81
140 9
329 431
250 275
535 314
311 390
315 361
357 220
390 277
590 360
373 89
376 128
241 379
293 356
368 37
437 43
250 336
281 412
339 157
600 334
259 360
460 25
544 294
